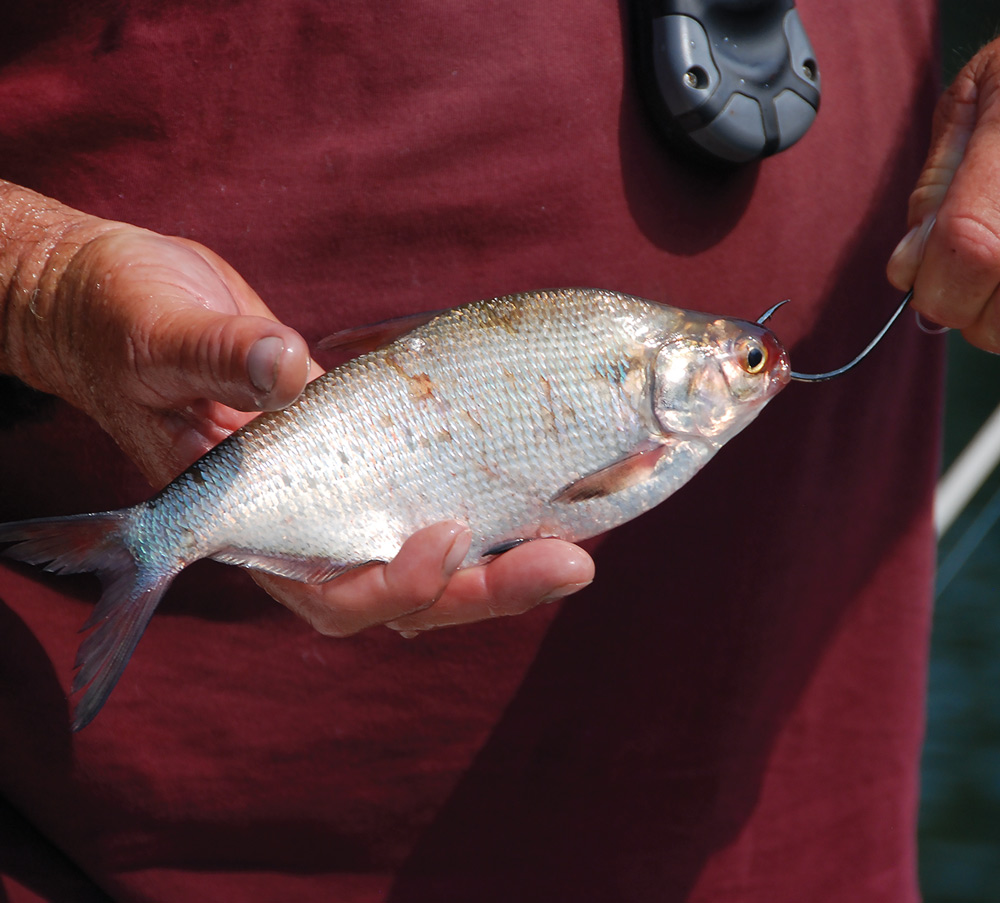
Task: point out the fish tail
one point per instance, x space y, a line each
95 543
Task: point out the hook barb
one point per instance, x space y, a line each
819 377
764 317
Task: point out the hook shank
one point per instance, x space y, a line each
818 377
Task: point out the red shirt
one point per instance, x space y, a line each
732 712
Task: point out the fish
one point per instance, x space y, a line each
559 413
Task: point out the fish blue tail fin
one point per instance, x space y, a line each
94 543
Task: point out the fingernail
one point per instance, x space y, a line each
930 327
567 589
905 243
923 234
459 549
911 248
263 361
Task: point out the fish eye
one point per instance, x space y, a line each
752 356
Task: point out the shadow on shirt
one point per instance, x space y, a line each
638 744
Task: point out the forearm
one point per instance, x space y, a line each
39 239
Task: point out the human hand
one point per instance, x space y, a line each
169 350
420 589
160 341
951 256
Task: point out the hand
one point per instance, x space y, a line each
420 588
166 346
951 256
163 344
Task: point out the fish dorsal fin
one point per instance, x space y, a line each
359 339
636 467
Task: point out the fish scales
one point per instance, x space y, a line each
297 480
557 413
445 466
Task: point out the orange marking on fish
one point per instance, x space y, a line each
548 409
420 385
506 318
489 471
475 423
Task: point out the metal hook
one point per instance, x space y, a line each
818 377
764 317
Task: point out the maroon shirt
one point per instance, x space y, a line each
732 712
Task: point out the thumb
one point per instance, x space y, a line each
953 267
954 122
184 326
251 363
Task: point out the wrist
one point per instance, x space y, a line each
39 239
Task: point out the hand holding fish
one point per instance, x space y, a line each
156 338
421 588
951 256
169 350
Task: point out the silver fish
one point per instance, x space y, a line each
561 413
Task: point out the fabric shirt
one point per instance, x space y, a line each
731 712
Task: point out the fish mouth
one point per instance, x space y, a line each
781 369
781 375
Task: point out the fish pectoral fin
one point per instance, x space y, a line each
359 339
624 473
305 570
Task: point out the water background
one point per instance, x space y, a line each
960 809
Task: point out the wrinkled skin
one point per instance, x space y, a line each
951 256
155 338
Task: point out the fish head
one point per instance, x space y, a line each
714 375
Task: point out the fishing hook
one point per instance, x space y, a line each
818 377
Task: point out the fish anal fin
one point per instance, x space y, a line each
624 473
359 339
305 570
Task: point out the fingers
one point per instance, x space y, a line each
513 583
422 588
960 267
951 256
375 594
